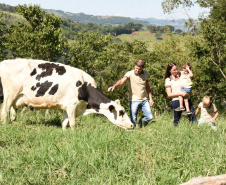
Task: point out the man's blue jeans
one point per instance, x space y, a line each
144 106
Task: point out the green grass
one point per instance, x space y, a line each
35 150
144 36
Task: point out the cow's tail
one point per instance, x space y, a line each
1 89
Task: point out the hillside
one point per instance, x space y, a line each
177 24
107 20
101 20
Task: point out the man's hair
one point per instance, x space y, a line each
187 64
206 101
140 63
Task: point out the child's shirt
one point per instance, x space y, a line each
207 113
185 80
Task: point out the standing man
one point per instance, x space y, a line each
139 90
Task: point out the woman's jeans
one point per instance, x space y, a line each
144 106
177 114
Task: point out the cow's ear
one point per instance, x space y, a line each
117 102
111 108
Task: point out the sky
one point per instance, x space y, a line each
125 8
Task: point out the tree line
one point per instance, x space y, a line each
41 37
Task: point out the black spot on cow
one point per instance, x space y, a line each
44 87
33 88
33 72
111 108
38 84
93 96
48 70
54 89
78 83
121 113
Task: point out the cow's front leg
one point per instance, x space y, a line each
71 116
12 114
65 120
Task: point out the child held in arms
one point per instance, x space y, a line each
186 86
209 112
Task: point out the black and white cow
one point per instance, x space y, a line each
47 85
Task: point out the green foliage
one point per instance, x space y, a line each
160 29
169 5
7 8
218 14
40 37
71 29
2 38
35 150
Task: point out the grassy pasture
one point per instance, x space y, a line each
144 36
35 150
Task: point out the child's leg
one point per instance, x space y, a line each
186 104
181 101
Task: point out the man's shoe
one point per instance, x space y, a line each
180 109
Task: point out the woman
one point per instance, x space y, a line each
173 90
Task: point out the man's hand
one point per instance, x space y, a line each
151 102
111 88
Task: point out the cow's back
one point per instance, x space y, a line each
42 83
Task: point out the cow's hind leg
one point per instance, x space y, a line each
7 104
65 120
71 116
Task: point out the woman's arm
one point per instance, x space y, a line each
170 94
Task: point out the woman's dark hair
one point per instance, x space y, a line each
169 67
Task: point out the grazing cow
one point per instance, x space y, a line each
47 85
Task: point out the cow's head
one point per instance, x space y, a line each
117 115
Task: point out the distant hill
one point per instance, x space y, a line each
177 24
101 20
107 20
117 20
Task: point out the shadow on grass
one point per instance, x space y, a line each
55 122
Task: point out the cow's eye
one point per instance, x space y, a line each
121 113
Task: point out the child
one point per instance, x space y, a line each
186 84
208 112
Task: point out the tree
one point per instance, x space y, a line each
39 37
212 28
2 39
178 31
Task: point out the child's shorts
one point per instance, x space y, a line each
201 122
184 89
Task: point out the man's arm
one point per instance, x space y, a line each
118 83
148 89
